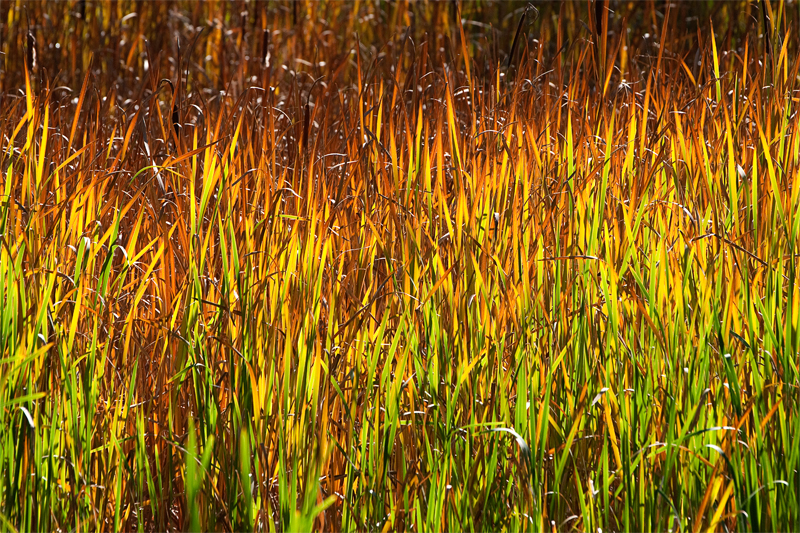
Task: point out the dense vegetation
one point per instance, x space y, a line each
409 266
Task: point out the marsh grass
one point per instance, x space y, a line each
359 268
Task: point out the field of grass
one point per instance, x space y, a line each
358 266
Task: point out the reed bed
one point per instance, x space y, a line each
285 266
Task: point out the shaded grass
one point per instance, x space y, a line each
401 288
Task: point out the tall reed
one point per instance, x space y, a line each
359 267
